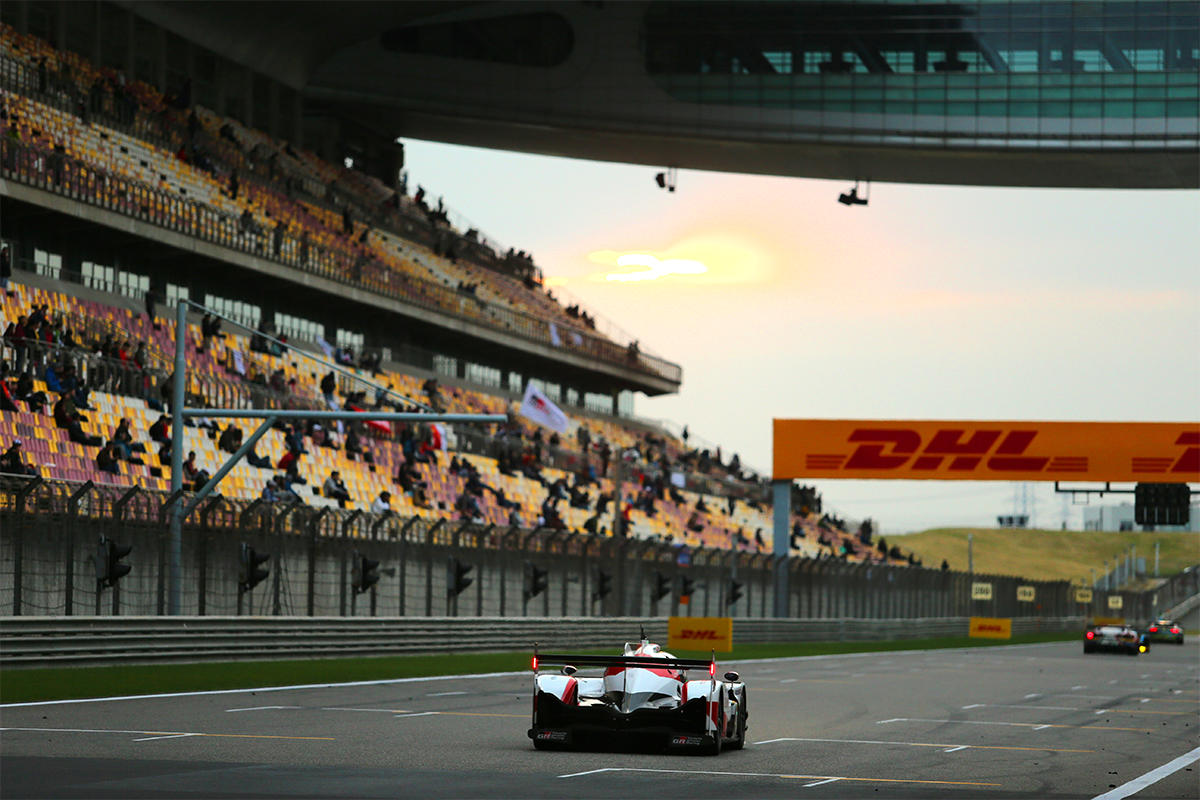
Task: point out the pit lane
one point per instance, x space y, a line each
1026 721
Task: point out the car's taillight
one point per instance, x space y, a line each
1091 634
1174 630
535 663
1154 629
712 669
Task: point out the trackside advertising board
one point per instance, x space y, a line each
986 450
990 628
700 633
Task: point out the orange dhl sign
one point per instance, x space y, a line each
1149 452
700 633
991 628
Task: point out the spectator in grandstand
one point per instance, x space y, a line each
412 484
550 516
328 387
234 185
107 459
502 500
126 446
160 430
354 445
695 523
468 507
701 506
270 492
14 336
945 565
580 498
190 470
335 489
255 460
382 504
13 462
6 270
231 439
605 454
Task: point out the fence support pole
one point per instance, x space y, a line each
73 511
782 508
175 536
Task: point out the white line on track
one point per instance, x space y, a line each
818 783
922 744
789 680
1077 688
444 694
1032 708
420 714
376 710
1032 695
168 736
1153 776
257 708
1041 727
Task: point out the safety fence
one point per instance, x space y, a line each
98 640
55 171
52 557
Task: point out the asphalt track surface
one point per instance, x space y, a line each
1037 721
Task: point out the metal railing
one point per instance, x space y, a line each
49 534
46 641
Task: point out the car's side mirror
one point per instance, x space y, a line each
731 676
569 670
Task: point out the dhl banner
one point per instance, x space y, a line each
991 628
1149 452
700 633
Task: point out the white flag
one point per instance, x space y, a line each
538 408
239 363
439 436
325 346
554 338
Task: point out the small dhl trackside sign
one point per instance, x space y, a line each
981 591
1025 594
1083 595
991 628
700 633
1116 602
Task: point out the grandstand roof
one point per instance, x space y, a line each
623 82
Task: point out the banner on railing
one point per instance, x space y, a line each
700 633
990 628
1155 452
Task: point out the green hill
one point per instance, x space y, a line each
1048 555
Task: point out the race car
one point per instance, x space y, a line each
1165 630
1117 638
643 696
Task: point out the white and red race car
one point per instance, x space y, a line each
644 694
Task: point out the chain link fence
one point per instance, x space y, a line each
51 532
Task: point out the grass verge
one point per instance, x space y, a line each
18 685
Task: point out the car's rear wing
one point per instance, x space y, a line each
559 659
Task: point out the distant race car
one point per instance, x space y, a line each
1117 638
1165 630
643 695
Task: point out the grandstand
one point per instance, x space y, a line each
273 221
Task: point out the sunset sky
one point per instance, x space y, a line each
932 302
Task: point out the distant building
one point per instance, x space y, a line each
1120 518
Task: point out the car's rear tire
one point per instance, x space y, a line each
739 739
1087 648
